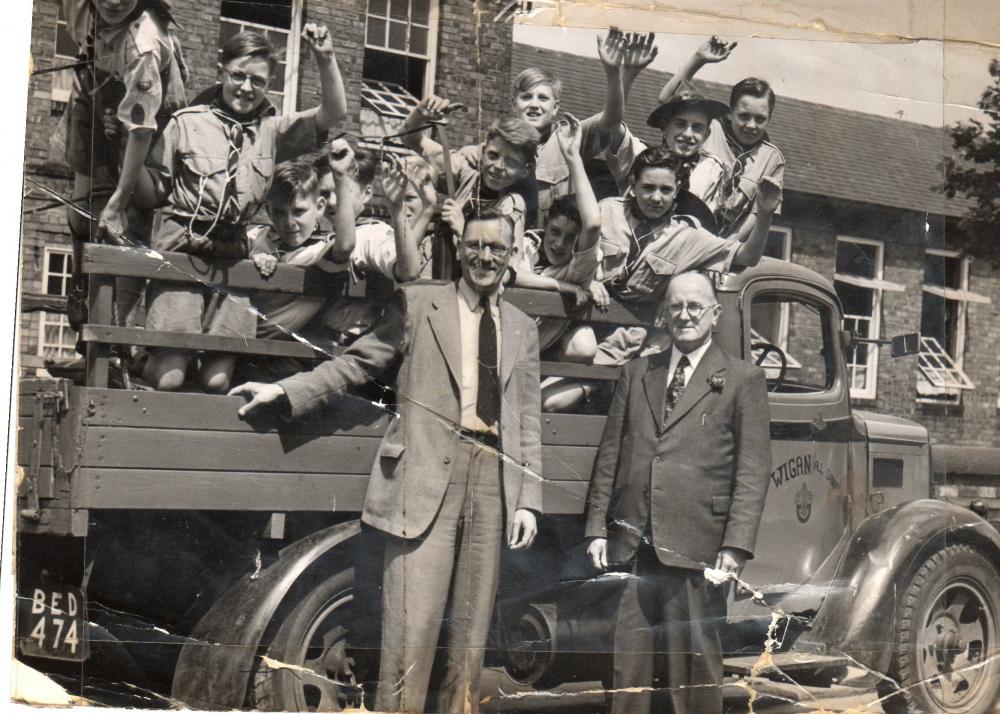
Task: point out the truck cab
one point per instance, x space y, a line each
190 514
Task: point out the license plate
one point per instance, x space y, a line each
52 623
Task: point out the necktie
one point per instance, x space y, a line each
488 394
231 209
676 387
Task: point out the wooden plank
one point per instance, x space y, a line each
349 415
564 497
219 490
287 452
572 429
109 335
546 303
579 371
184 268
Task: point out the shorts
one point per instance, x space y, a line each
620 346
197 310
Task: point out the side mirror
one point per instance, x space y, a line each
906 344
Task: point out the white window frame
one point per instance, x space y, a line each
55 319
931 349
433 18
784 319
293 47
876 285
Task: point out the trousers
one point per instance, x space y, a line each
668 627
444 580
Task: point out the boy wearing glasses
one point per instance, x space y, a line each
211 169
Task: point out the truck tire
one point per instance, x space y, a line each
313 667
947 629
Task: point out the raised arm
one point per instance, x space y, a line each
714 50
431 109
401 189
758 223
569 136
345 187
333 107
640 51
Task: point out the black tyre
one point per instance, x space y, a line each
948 636
318 669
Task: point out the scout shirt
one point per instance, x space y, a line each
551 171
281 313
190 166
637 267
728 175
581 269
140 54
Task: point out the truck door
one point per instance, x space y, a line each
792 330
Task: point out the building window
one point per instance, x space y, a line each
400 44
779 243
275 20
66 51
55 338
859 284
946 299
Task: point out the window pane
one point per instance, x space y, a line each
376 32
226 31
65 45
377 7
421 11
857 259
808 356
56 262
400 9
275 13
775 246
856 301
418 40
397 36
278 80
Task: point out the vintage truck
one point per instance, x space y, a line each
169 545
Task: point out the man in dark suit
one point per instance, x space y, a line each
438 488
678 486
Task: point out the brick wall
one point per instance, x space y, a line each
815 226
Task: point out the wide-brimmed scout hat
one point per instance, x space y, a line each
686 97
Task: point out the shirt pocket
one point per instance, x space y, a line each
202 182
257 178
649 276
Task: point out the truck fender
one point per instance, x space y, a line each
884 551
216 663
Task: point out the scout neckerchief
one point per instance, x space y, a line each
642 231
235 128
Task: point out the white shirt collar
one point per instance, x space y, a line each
472 297
694 357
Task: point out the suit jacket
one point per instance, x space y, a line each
411 470
701 477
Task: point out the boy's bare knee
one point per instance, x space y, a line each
216 382
581 347
166 371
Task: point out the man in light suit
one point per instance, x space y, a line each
438 488
678 485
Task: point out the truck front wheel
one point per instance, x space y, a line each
947 657
310 665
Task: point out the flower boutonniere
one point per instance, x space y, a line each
716 382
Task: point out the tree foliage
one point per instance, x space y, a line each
975 174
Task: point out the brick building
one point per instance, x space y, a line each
861 207
390 55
